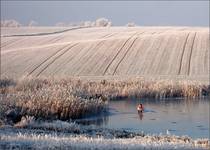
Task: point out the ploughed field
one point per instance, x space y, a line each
106 52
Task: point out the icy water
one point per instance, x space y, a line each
169 116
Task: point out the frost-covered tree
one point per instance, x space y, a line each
32 23
10 23
131 24
102 22
109 24
87 23
93 24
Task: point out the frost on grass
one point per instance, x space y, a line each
69 135
53 141
31 134
25 121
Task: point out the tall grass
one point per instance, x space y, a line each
69 98
48 99
140 88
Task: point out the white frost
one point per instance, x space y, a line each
53 141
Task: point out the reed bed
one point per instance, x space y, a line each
70 98
140 88
47 99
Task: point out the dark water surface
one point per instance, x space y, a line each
170 116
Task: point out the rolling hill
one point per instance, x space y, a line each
106 52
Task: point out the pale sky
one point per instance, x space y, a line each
153 13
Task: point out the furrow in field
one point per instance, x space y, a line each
96 60
203 53
64 62
87 66
24 47
74 65
190 57
105 52
51 40
7 41
115 70
196 64
182 54
201 58
131 63
105 57
22 43
35 57
55 60
152 52
12 43
207 56
106 35
159 53
19 64
198 55
128 65
139 63
186 55
8 63
48 58
111 35
164 61
116 55
77 63
174 55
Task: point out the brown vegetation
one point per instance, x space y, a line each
70 98
47 99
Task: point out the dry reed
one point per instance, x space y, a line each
69 98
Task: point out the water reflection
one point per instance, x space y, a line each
100 120
140 115
179 116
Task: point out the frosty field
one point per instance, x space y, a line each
111 52
54 77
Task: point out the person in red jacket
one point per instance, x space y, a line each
140 108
